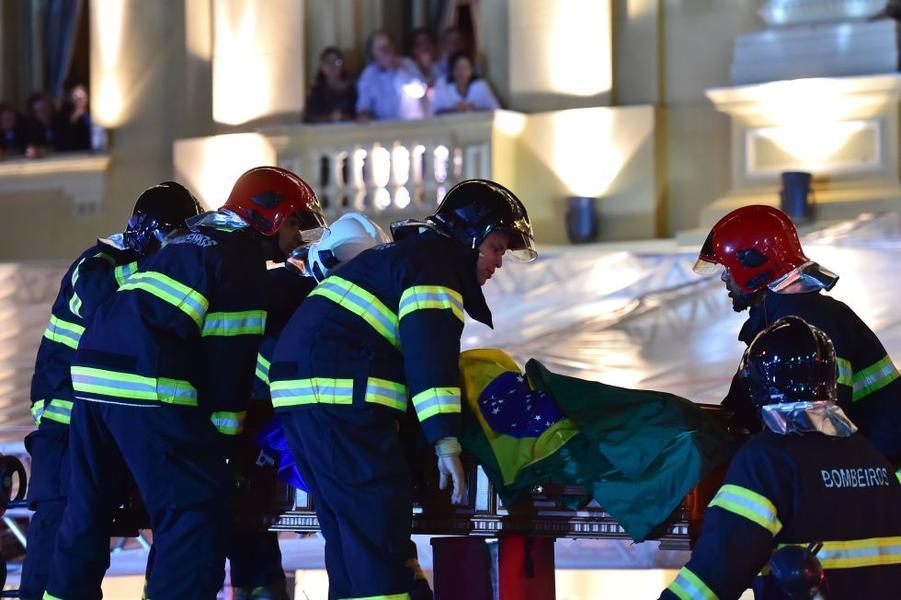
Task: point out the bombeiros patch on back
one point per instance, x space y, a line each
194 238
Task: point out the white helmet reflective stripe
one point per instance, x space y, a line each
345 238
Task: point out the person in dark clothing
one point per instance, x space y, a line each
333 97
382 330
74 121
766 272
89 282
12 132
808 479
42 126
161 378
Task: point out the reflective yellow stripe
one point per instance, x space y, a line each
317 390
433 401
387 393
133 387
426 297
75 301
123 272
247 322
873 378
229 423
748 504
49 596
845 371
59 411
189 301
63 332
37 409
852 554
262 370
361 303
688 586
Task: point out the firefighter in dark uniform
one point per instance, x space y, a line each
382 330
806 478
767 273
89 282
254 555
255 560
161 379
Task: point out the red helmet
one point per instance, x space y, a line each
757 244
266 196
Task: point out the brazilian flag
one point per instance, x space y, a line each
636 452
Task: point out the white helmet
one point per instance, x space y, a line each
345 238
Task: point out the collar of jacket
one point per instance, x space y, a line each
116 240
773 307
473 299
807 417
222 220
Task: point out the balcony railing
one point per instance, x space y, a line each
389 170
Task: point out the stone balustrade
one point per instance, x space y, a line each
388 170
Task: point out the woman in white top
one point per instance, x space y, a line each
463 90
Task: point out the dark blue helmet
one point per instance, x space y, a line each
790 361
475 208
798 571
158 211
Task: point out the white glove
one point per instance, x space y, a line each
450 468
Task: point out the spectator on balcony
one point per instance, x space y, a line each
12 134
463 90
74 123
452 41
424 52
333 97
390 86
42 127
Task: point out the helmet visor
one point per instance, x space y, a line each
705 266
312 226
521 244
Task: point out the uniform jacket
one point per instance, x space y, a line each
383 330
183 330
797 489
89 282
287 290
869 388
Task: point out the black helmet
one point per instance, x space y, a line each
159 210
474 208
790 361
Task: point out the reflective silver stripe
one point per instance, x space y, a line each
433 401
387 393
426 297
845 371
59 411
123 272
748 504
75 301
873 378
37 409
262 370
186 299
249 322
362 303
136 387
688 586
63 332
318 390
229 423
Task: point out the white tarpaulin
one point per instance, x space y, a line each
637 318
